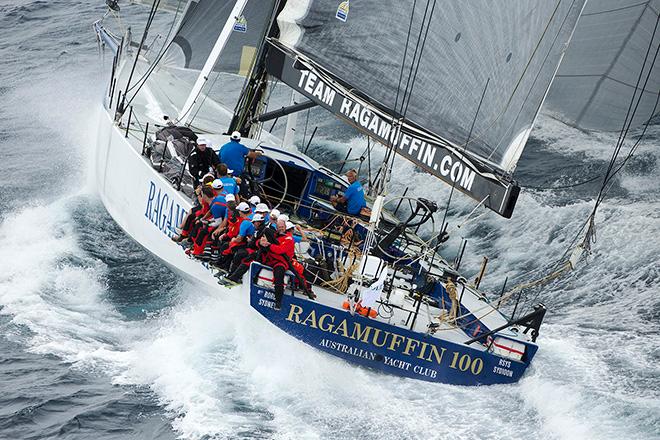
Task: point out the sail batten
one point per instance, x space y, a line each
437 58
431 153
514 45
603 63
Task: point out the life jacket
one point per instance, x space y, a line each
362 311
203 210
233 230
234 221
219 200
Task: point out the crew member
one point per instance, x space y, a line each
204 195
254 201
262 208
233 154
353 199
202 160
277 256
274 214
229 183
244 255
243 228
213 218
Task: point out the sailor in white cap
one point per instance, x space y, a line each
273 218
243 256
230 200
217 184
280 257
202 160
263 209
246 228
233 154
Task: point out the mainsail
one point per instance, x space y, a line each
362 61
201 25
597 78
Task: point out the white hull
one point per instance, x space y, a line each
141 201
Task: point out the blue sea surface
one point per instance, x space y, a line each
99 340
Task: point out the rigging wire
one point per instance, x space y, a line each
563 265
166 45
388 161
150 19
201 104
153 66
474 121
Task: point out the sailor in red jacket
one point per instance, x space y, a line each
278 256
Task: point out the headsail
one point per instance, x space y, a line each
356 51
201 25
593 87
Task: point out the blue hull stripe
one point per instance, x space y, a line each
384 347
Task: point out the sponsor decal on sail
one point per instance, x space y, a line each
423 148
411 146
342 11
241 24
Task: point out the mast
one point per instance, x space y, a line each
250 103
185 113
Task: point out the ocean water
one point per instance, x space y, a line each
99 340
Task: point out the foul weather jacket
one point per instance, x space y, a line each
200 162
281 253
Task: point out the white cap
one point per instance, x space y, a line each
261 207
257 218
230 198
283 217
289 225
216 184
243 207
230 171
236 136
275 213
255 200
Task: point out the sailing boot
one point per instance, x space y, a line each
237 275
278 279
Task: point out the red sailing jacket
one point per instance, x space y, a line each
233 224
203 210
281 253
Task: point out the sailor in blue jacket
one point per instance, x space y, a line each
233 154
353 198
